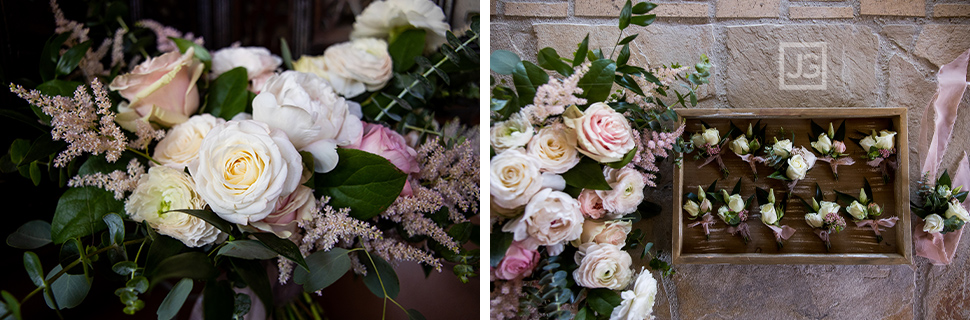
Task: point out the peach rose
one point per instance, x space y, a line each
601 133
612 232
289 211
161 90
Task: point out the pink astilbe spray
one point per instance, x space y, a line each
652 145
78 32
504 299
393 249
162 34
146 134
553 97
117 181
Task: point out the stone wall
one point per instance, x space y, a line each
871 53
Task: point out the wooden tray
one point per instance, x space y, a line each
854 245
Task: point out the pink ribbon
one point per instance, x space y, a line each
783 232
836 162
940 248
751 159
706 221
941 113
741 230
875 224
824 235
717 156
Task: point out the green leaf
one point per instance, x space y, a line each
283 247
227 94
944 179
42 148
629 38
381 278
12 305
34 269
584 314
218 300
175 299
116 227
415 315
587 174
643 7
200 52
69 289
18 149
124 268
527 77
580 55
246 249
550 60
625 14
71 58
503 61
362 181
598 82
326 267
500 244
624 55
405 47
32 235
162 248
603 300
50 55
643 21
79 212
208 216
195 265
623 162
254 274
285 52
137 284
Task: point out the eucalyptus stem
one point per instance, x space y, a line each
408 126
145 155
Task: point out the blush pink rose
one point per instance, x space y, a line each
161 90
387 143
591 204
518 262
602 133
289 211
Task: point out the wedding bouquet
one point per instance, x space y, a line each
571 159
237 166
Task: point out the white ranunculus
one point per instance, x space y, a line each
601 133
181 144
164 189
823 145
797 168
826 207
259 63
515 132
692 208
768 214
311 114
867 143
352 67
815 220
711 136
740 145
885 140
637 303
244 167
856 210
956 209
555 149
933 223
782 148
386 19
603 266
550 218
627 193
735 203
514 178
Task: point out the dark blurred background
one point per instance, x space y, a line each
309 27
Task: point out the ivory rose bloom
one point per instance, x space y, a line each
289 211
815 220
856 210
933 223
782 148
385 19
768 214
603 266
181 144
387 143
955 209
259 63
637 303
612 231
514 178
518 262
798 166
867 143
692 208
555 148
311 114
711 136
601 133
352 67
591 204
244 167
550 218
740 145
164 189
823 145
735 203
515 132
826 207
885 140
627 193
161 90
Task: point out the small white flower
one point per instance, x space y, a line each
740 146
735 203
637 303
815 220
823 145
722 213
768 214
933 223
957 210
782 148
856 210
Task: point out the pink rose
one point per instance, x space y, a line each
518 262
387 143
260 64
601 133
161 90
838 146
289 211
591 204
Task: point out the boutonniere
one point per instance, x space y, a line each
698 205
747 143
823 217
880 151
772 213
709 144
734 212
864 210
943 217
830 146
790 163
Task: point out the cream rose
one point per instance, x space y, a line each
782 148
711 136
555 149
181 144
244 167
164 189
933 223
638 303
352 67
289 211
514 178
550 218
515 132
735 203
823 145
797 168
722 213
603 266
885 140
627 193
601 133
612 231
856 210
160 90
768 214
740 146
386 19
957 210
826 207
815 220
692 208
867 143
697 140
311 114
259 63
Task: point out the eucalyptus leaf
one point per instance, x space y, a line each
285 52
586 174
283 247
116 227
69 289
79 212
326 267
34 268
381 278
175 299
12 305
246 249
32 235
362 181
415 315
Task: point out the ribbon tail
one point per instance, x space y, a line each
943 107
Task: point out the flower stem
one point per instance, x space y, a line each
419 129
145 155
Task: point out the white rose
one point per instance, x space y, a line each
933 223
611 231
955 209
740 145
735 203
826 207
603 266
260 64
692 208
768 214
289 211
550 218
815 220
352 67
311 114
867 143
514 178
797 168
601 133
856 210
637 303
181 144
697 139
823 145
722 213
711 136
515 132
885 140
782 148
383 19
243 169
164 189
627 193
555 149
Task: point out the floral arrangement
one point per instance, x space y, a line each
880 151
571 159
698 204
244 171
864 210
747 143
771 214
830 146
823 216
734 211
709 144
790 164
941 208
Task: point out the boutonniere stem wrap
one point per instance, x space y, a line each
771 215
